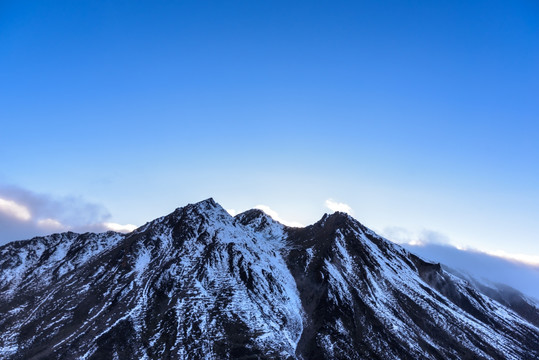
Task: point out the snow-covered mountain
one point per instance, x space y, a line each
201 284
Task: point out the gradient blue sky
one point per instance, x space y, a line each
422 116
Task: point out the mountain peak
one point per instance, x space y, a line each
340 215
250 214
337 219
207 202
259 221
208 206
201 283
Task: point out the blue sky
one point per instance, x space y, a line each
421 116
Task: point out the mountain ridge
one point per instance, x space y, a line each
200 283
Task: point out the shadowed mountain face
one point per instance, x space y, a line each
201 284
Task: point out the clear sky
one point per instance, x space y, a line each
421 116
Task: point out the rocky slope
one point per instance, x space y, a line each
201 284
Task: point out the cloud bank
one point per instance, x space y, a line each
516 270
25 214
484 266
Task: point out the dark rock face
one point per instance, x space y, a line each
201 284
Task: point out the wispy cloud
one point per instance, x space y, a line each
275 216
24 214
338 206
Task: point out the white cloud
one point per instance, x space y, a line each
275 216
25 214
51 224
232 212
119 227
13 209
338 206
402 235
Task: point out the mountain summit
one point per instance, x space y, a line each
201 284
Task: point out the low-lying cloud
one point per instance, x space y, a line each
518 271
25 214
482 265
